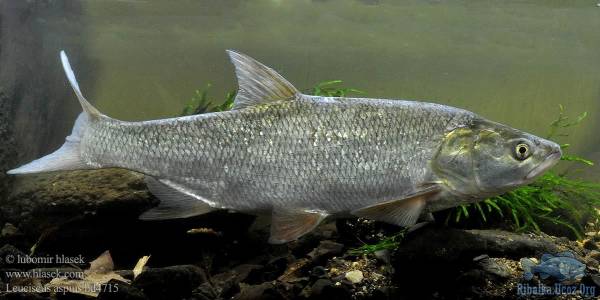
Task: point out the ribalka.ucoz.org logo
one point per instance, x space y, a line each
563 269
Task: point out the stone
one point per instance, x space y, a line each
318 272
319 285
383 255
9 230
325 250
355 276
591 262
450 245
173 282
590 245
116 290
596 279
492 267
267 291
9 256
595 254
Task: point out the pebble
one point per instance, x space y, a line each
9 230
492 267
383 256
591 262
595 254
355 276
326 249
590 245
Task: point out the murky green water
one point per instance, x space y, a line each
511 61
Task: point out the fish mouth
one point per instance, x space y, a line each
550 161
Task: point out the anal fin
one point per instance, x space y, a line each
174 202
289 224
403 212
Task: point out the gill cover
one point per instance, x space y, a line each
488 158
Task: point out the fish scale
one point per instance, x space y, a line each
280 153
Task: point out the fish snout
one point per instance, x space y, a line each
552 155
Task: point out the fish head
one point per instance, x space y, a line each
485 158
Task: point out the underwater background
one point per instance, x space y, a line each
514 62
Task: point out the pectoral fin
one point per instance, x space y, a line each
288 225
404 212
175 203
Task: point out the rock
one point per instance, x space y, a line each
473 277
595 279
319 285
383 256
338 290
450 245
23 296
590 286
9 257
207 291
276 267
225 285
318 272
355 276
595 254
267 291
492 267
325 250
116 290
240 273
172 282
9 230
590 245
591 262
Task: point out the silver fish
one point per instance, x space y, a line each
304 158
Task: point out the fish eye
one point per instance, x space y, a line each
522 151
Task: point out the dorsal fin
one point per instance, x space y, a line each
258 83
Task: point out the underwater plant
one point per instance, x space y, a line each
331 88
201 103
390 242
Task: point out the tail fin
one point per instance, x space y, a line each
68 156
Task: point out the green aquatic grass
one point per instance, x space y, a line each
386 243
332 88
201 103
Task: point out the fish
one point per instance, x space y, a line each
302 159
562 267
